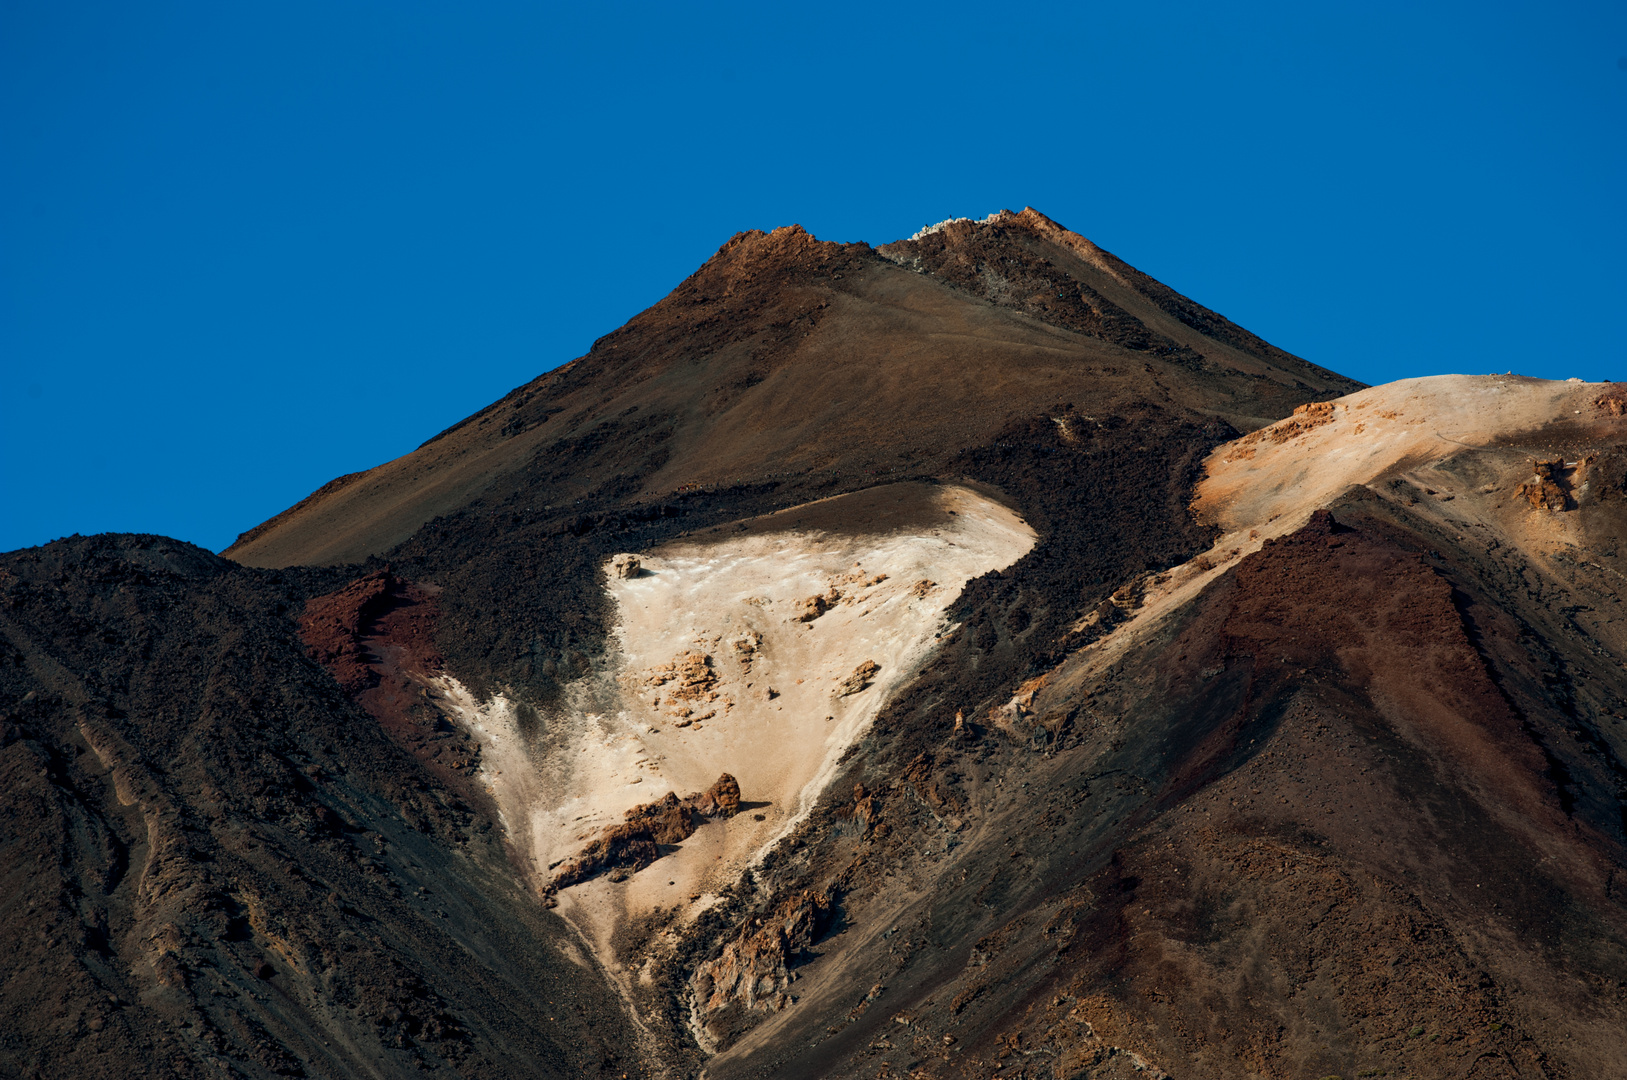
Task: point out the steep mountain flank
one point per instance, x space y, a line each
216 864
1344 795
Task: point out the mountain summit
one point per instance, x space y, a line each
961 657
805 363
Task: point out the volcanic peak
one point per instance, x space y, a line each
787 250
917 525
788 360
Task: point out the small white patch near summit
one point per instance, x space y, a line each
946 222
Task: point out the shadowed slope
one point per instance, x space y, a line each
214 861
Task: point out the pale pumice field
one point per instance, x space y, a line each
769 706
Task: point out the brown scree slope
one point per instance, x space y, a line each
787 359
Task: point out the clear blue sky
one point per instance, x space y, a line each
245 248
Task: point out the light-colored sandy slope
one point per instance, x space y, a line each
1269 483
1288 470
616 748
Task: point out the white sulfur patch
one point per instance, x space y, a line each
940 226
612 747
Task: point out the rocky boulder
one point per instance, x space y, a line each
636 842
862 677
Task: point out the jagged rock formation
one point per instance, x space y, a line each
1138 700
1549 488
636 843
752 971
858 679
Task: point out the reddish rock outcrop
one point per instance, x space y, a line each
862 676
377 637
334 625
636 842
1547 490
754 969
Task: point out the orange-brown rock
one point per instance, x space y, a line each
815 606
745 648
1547 490
688 678
669 820
1305 418
861 678
722 799
754 969
636 842
631 845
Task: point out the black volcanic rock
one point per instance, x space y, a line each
211 854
